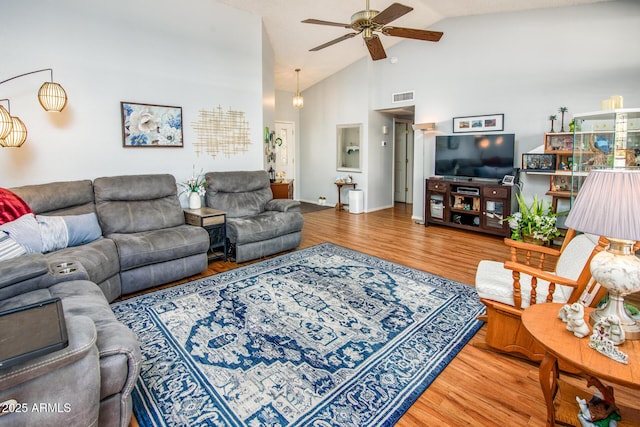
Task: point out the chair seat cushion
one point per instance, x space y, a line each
494 282
264 226
166 244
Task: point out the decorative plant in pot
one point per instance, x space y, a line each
195 187
535 223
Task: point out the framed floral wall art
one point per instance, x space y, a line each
146 125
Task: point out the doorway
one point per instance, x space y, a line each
403 161
285 137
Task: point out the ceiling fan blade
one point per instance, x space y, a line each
375 48
332 42
412 33
391 13
320 22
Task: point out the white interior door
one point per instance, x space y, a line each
403 162
285 143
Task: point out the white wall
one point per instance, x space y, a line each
338 100
268 89
525 65
196 54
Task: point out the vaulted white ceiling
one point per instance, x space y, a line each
291 39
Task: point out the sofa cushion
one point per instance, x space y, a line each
12 206
238 193
264 226
151 247
59 198
134 203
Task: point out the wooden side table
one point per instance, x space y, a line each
542 322
215 222
282 189
341 205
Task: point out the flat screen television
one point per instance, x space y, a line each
489 156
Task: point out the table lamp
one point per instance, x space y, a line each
608 204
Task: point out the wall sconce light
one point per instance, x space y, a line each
298 100
426 127
52 97
385 130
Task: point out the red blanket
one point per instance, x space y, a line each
12 206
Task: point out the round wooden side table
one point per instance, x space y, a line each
542 322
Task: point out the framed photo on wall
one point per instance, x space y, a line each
147 125
538 162
488 123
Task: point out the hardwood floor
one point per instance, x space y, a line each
479 387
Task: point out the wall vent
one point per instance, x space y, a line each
403 96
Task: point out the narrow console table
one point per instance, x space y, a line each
542 322
341 205
215 222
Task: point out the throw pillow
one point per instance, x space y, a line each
68 230
82 228
12 206
54 233
26 231
9 248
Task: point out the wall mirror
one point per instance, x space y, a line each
348 143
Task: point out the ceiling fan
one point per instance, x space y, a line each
367 22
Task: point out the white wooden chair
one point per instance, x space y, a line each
506 289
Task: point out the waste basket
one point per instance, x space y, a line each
356 201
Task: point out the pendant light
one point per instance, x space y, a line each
52 97
5 122
17 136
298 100
16 131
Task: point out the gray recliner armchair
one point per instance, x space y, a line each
257 224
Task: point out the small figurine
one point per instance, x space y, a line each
601 409
553 119
601 341
616 333
562 314
574 314
562 110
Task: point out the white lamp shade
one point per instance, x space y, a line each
6 124
298 101
52 96
608 204
17 136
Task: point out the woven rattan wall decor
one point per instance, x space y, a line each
219 131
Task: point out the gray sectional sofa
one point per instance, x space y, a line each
144 243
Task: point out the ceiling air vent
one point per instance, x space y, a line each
403 96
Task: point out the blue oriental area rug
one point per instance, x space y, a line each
324 336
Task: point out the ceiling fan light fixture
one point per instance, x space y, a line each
298 100
368 22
